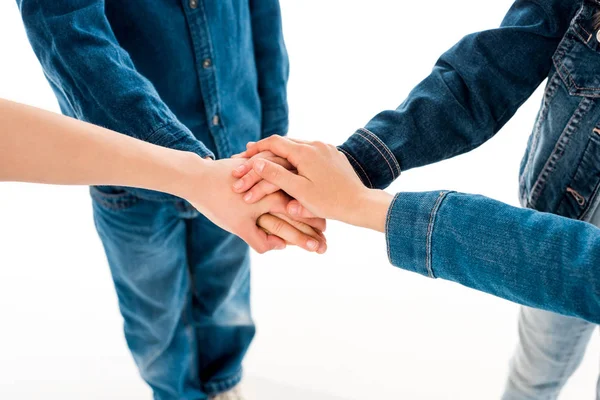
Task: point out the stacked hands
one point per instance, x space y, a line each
293 186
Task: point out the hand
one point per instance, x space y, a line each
254 187
326 184
207 188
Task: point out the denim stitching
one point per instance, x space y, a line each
551 90
379 151
385 147
353 161
223 384
565 74
432 216
571 354
558 151
387 225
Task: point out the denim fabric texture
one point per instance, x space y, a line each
195 75
537 259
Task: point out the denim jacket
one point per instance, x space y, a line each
194 75
533 258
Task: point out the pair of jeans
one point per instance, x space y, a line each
551 347
183 290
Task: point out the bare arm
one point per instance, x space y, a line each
42 147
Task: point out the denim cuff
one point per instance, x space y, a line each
176 136
409 230
275 121
215 387
372 160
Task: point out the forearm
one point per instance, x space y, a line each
42 147
532 258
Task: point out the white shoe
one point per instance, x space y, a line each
233 394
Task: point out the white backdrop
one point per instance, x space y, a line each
345 325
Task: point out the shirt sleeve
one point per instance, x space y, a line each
537 259
272 65
473 90
94 78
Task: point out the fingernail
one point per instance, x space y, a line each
238 184
241 168
280 247
312 244
293 209
259 165
248 196
322 250
249 144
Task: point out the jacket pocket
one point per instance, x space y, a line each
582 190
577 59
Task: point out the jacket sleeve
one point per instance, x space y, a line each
94 78
272 65
537 259
473 90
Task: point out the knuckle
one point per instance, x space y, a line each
278 227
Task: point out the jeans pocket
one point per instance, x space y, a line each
113 197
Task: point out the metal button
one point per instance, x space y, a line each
194 4
207 63
215 120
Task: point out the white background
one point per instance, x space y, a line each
345 325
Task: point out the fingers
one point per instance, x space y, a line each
320 224
262 241
246 182
297 210
278 145
259 191
291 183
291 232
247 166
309 227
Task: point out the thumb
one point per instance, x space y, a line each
289 182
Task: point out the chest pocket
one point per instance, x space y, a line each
577 59
583 189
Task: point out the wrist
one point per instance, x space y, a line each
187 171
371 209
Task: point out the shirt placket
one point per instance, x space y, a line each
206 66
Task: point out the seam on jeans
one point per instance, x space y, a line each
379 151
223 385
571 354
385 147
432 216
387 224
358 165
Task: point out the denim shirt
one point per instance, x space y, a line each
196 75
538 259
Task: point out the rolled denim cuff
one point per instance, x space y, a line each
275 121
176 136
372 160
409 230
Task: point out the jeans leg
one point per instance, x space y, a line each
220 268
145 243
550 349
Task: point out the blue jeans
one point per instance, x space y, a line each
551 347
183 290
